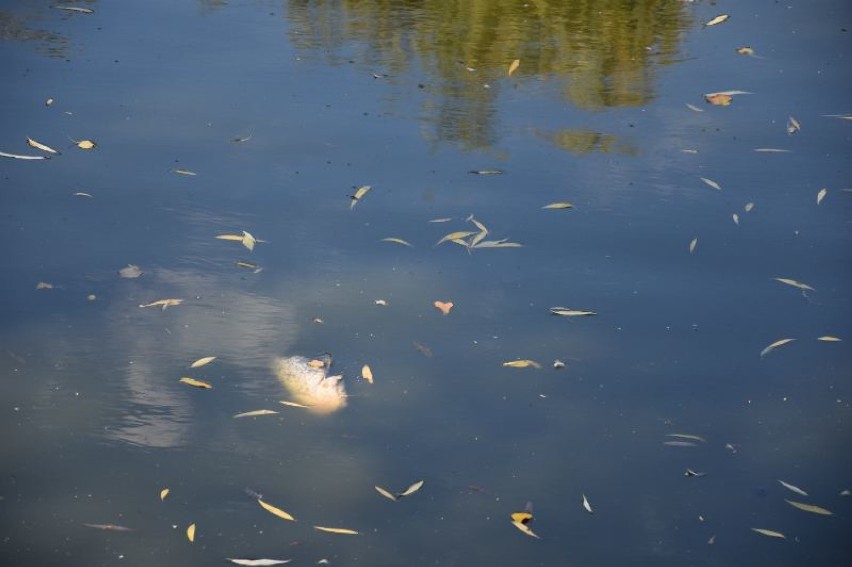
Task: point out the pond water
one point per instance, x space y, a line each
212 118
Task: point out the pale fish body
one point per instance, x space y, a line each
308 383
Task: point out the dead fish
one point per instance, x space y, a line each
310 384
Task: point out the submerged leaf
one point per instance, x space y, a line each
809 508
109 527
586 505
687 436
275 511
692 244
195 383
292 404
775 345
202 361
486 171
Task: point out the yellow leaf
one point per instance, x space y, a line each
769 533
411 489
522 364
745 51
196 383
443 307
366 373
458 235
525 529
275 511
359 194
385 493
202 361
775 345
809 508
235 237
395 240
717 20
522 517
255 413
39 146
513 66
718 99
344 531
163 493
85 144
559 205
163 303
190 533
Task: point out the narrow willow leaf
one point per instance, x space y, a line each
19 156
829 339
772 150
793 488
486 171
679 444
559 205
821 195
513 66
186 172
775 345
769 533
344 531
367 373
109 527
195 383
498 244
442 219
794 283
711 183
809 508
255 413
190 533
396 240
292 404
235 237
586 505
523 363
694 108
359 194
717 20
568 312
275 511
202 361
385 493
75 9
525 529
164 303
455 236
411 489
692 244
163 493
258 562
39 146
82 194
687 436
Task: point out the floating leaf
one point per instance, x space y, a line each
75 9
44 285
772 150
525 529
523 363
259 562
163 493
255 413
717 20
396 240
234 237
130 271
385 493
85 144
442 219
109 527
443 306
359 194
694 108
381 302
411 489
498 244
736 218
522 517
829 339
486 171
679 444
793 125
190 533
248 240
769 533
164 303
195 383
690 472
81 194
366 373
586 505
344 531
457 235
19 156
809 508
793 488
292 404
821 195
559 205
745 51
794 283
48 102
568 312
186 172
39 146
775 345
248 265
692 244
275 511
513 66
711 183
748 207
718 99
202 361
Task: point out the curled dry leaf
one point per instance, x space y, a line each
443 306
360 192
